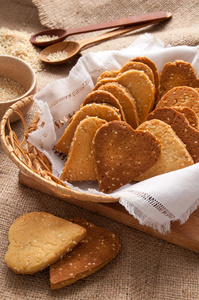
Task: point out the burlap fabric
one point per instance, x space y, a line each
146 267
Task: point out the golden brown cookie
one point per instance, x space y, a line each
156 75
108 74
173 155
122 154
140 87
38 239
130 65
101 96
181 96
189 114
98 248
80 164
96 110
178 73
126 100
180 125
135 65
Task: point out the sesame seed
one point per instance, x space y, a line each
57 55
46 38
17 44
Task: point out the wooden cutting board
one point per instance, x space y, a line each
185 235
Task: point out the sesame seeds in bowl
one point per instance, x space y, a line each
17 80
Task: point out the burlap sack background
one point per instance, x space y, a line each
146 267
182 29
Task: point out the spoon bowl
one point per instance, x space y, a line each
68 48
52 36
48 37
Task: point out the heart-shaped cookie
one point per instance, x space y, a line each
38 239
174 155
180 125
80 165
122 154
98 248
99 110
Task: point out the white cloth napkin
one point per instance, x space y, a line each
154 202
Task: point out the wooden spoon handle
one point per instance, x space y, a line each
134 20
113 33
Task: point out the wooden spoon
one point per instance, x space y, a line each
62 33
68 49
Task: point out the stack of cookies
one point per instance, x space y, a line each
135 124
73 249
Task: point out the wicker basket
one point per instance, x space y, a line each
36 167
32 162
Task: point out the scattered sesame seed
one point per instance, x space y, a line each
17 44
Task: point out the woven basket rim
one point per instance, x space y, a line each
49 182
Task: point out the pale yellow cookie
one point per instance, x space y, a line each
181 126
173 155
38 239
94 109
80 164
156 75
